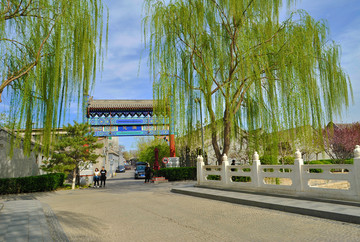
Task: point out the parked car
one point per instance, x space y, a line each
140 163
120 169
140 172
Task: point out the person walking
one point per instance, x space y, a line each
103 173
233 169
96 177
147 173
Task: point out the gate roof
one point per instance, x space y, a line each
120 104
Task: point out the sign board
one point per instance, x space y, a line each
173 162
165 160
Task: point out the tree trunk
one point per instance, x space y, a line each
227 133
215 144
77 176
74 179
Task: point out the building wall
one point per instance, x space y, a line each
18 165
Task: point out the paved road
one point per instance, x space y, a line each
129 210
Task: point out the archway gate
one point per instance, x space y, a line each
109 118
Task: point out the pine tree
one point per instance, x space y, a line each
74 151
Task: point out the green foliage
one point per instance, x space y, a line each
318 162
41 183
214 177
50 52
241 179
73 150
269 160
3 120
287 160
146 151
177 173
249 70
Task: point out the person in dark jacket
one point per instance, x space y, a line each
103 173
147 173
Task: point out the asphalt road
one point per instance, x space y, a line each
129 210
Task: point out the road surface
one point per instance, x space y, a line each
129 210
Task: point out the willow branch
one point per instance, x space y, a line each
25 70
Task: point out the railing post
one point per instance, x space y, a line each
225 179
200 167
256 170
357 169
298 174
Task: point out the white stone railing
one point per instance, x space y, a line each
341 181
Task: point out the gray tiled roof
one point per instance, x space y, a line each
111 103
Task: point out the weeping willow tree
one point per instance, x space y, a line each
250 70
50 52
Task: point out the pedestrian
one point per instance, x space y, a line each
103 173
147 173
233 164
96 177
233 169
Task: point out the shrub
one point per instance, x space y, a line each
241 179
287 160
177 173
40 183
214 177
318 162
268 160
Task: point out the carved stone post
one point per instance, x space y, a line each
298 174
255 170
357 169
200 167
225 179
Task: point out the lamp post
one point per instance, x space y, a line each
197 100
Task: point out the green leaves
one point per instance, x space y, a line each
74 149
249 70
50 53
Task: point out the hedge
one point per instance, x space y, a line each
40 183
177 173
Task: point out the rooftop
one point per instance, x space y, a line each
120 104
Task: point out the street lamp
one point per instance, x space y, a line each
198 100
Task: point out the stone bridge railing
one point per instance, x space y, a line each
341 181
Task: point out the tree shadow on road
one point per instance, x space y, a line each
79 226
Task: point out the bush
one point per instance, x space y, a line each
241 179
287 160
177 173
268 160
318 162
41 183
214 177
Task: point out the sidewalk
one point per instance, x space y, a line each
335 210
28 220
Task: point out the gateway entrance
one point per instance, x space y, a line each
116 118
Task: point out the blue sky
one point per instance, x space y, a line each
125 77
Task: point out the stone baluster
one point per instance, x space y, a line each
255 170
298 173
200 169
357 169
225 174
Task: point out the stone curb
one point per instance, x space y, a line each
313 199
280 207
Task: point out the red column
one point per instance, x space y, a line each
172 145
